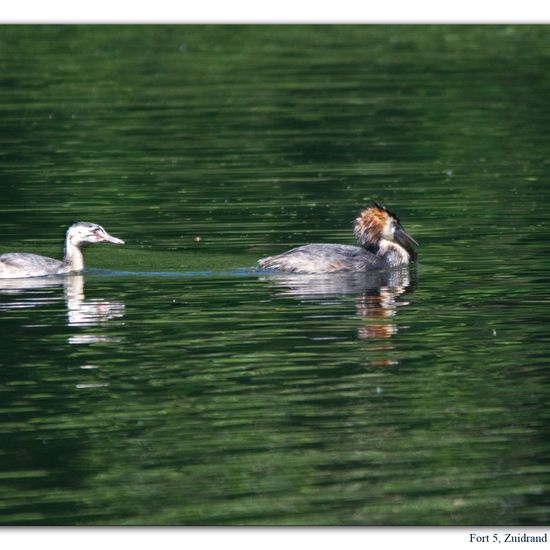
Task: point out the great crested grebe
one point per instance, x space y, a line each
384 243
15 265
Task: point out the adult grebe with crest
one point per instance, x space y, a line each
383 243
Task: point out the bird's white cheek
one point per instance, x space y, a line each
388 231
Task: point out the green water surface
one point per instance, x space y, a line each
171 383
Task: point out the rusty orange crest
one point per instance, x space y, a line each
370 224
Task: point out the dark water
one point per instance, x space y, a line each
174 384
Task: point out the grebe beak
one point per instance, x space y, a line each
106 238
404 239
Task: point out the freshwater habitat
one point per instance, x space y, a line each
173 383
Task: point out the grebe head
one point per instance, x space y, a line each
377 229
84 232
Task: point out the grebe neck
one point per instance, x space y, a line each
393 253
74 259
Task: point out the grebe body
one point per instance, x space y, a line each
383 243
14 265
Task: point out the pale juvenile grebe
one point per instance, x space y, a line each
14 265
384 244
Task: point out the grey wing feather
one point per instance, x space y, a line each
24 264
322 258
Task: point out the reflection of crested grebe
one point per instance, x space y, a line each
378 294
14 265
383 241
323 285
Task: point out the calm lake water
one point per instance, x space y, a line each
172 383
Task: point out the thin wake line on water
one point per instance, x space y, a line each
244 272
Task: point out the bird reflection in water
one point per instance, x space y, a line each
89 313
378 297
81 312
